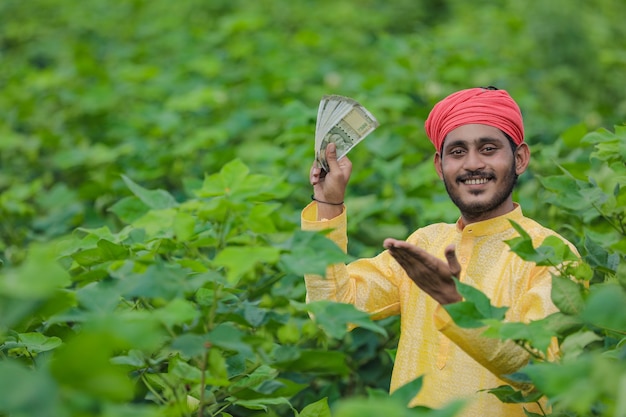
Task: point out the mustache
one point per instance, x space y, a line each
476 174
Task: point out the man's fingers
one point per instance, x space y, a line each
401 256
414 257
314 174
453 262
331 156
389 243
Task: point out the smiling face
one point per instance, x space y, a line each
479 170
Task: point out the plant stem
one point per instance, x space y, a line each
205 356
151 389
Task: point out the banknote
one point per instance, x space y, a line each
342 121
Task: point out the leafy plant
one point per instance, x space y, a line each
132 283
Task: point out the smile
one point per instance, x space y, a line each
476 181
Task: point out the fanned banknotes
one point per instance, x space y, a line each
342 121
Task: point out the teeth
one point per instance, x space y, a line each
477 181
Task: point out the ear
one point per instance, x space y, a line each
522 158
437 162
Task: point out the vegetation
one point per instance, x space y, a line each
154 161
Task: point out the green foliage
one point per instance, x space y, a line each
190 306
475 308
154 159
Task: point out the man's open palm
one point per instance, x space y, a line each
431 274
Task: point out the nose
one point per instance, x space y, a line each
473 161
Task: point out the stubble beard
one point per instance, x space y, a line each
478 210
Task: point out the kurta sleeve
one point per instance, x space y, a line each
370 284
500 357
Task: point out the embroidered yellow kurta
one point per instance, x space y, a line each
456 363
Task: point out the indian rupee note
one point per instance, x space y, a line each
346 133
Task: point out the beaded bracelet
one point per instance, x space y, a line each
325 202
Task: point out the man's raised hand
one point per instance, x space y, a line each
329 188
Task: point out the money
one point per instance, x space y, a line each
342 121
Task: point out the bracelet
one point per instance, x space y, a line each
325 202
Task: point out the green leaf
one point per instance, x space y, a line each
259 375
316 409
566 192
573 136
100 297
536 333
135 358
574 344
155 199
110 251
605 307
336 318
323 362
259 218
39 276
567 295
523 244
311 253
408 391
37 342
556 251
129 209
228 337
508 394
157 223
562 323
481 301
184 371
88 257
130 329
259 403
358 407
160 280
475 308
575 383
465 314
240 260
552 251
229 177
184 225
189 344
131 410
236 183
92 374
217 364
177 312
253 314
27 392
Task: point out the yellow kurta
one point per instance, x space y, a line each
456 363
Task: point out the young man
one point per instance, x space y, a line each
478 136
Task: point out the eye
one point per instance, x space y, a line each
489 149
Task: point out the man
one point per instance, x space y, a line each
478 136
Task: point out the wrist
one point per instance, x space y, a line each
322 201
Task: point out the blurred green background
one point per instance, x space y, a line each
99 98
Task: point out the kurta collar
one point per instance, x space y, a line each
492 226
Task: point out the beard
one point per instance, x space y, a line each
478 209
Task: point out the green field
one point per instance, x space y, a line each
154 159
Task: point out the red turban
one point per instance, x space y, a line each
475 105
